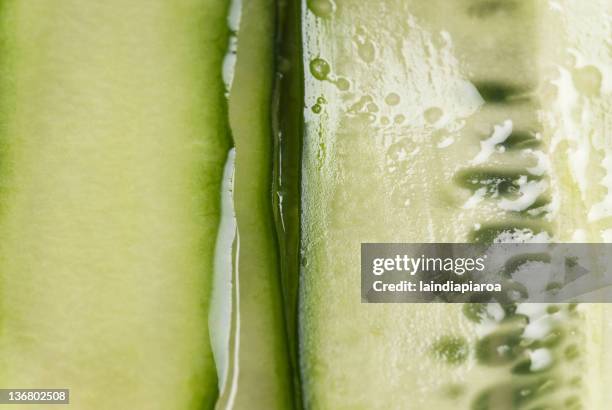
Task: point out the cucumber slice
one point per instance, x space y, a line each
415 113
113 127
261 373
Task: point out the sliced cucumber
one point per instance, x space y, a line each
420 126
113 127
261 373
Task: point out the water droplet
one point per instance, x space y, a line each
321 8
366 50
587 80
370 118
433 114
392 99
343 84
319 68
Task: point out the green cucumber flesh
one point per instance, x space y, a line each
421 122
113 128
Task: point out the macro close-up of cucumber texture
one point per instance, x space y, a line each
185 187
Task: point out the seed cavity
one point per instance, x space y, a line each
499 92
514 263
453 350
500 347
475 312
519 140
496 182
553 338
514 395
489 8
517 233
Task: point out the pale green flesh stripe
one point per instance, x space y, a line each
113 143
400 97
262 373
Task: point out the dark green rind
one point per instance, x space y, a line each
288 129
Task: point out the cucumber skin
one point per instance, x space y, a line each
288 132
